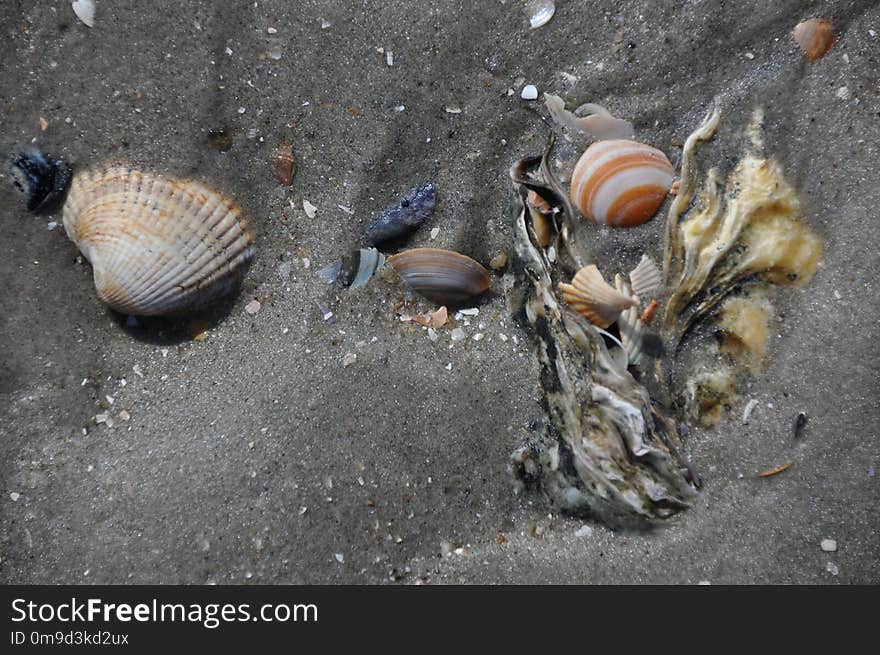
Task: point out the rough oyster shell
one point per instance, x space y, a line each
157 245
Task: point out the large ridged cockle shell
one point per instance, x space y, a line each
620 183
592 297
157 245
441 275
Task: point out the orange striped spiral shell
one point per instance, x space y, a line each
620 183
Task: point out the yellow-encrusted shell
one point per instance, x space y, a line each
592 297
157 245
620 183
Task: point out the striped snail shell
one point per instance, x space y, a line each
157 245
620 183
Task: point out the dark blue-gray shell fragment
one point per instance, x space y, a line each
404 217
43 180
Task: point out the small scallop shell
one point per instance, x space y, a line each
157 245
592 297
646 279
629 324
815 36
620 183
441 275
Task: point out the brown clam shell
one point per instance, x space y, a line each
441 275
285 164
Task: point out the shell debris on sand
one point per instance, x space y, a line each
85 11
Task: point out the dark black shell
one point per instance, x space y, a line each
43 180
404 217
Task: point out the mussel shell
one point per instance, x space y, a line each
157 245
405 216
42 179
441 275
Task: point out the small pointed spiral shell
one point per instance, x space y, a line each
620 183
157 245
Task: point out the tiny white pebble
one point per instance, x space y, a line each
241 110
478 336
828 545
749 55
434 232
389 58
272 30
228 51
872 33
843 93
845 58
349 359
583 531
831 567
503 337
14 495
340 557
837 295
529 92
449 366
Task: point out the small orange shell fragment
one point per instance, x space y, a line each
285 164
815 36
650 312
774 471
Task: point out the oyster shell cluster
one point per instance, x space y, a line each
610 448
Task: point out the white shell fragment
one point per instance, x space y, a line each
540 12
157 245
598 122
309 209
629 324
646 279
85 11
529 92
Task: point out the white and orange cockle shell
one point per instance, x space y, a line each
620 183
157 245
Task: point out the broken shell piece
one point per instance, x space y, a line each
85 11
285 164
369 260
441 275
43 180
330 273
158 245
592 297
646 279
309 209
540 12
542 223
438 318
815 36
599 123
650 311
620 183
405 216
